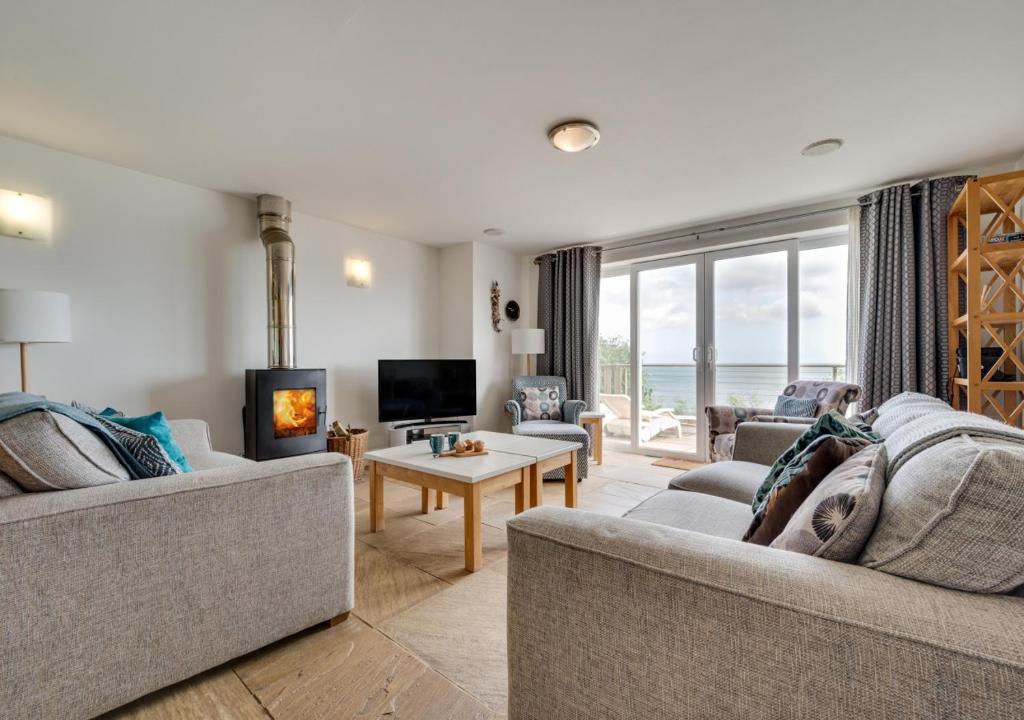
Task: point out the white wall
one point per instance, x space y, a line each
491 349
456 297
167 286
467 271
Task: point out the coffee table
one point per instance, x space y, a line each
470 478
547 455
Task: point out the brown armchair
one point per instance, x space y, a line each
723 419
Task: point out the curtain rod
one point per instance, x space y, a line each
738 226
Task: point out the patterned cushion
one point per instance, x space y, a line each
830 395
836 519
797 482
832 423
541 403
951 516
787 406
48 451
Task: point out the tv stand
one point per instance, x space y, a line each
410 432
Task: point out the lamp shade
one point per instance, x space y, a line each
34 316
527 341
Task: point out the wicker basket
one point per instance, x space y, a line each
354 446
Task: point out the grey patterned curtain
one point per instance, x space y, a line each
903 296
567 301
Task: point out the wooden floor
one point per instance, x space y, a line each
400 656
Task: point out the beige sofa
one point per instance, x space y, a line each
665 614
108 593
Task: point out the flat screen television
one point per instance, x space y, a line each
425 389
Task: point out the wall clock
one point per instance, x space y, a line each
512 310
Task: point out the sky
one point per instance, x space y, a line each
750 305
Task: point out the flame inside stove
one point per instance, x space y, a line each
294 412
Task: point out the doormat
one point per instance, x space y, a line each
677 463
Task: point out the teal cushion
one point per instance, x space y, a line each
831 423
787 406
155 425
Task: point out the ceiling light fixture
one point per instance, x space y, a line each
493 232
822 147
574 136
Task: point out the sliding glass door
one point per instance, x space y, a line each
670 337
729 327
749 334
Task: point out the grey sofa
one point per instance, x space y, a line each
108 593
665 614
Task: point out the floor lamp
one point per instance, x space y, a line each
33 316
529 342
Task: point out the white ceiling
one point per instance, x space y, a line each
428 120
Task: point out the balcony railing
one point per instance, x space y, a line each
746 384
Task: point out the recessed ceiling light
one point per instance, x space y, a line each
822 147
574 136
493 232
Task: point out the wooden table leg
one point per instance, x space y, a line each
570 482
536 486
598 441
442 500
523 491
376 498
474 544
425 501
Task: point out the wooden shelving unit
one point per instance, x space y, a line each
986 278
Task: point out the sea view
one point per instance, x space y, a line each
675 386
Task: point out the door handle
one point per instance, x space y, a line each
696 354
712 356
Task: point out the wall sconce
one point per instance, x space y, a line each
26 216
358 273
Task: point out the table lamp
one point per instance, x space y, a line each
530 342
33 316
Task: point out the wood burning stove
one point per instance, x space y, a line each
285 407
285 412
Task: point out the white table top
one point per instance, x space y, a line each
417 456
535 447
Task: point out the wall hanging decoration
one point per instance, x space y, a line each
512 310
495 303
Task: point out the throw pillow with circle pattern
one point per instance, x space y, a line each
541 403
837 518
797 482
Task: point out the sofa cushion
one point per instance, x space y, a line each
541 403
831 423
211 459
836 519
952 516
44 451
705 514
154 425
787 406
549 427
796 483
8 488
903 408
732 479
940 425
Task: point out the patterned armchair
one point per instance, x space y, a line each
563 425
723 419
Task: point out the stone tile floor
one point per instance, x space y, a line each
425 640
